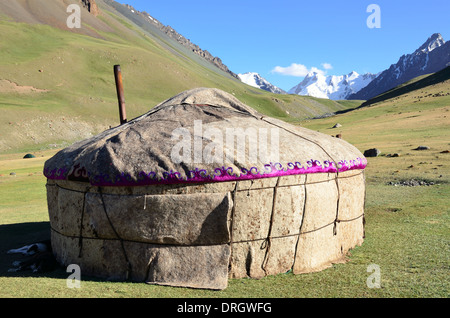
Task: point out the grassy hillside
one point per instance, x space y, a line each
412 85
74 71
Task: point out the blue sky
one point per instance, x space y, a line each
282 39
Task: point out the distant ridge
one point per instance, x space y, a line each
432 56
432 79
256 80
169 31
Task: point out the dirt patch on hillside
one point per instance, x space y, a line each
53 13
7 86
47 130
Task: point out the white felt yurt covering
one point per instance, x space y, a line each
122 208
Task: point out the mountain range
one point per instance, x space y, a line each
332 87
432 56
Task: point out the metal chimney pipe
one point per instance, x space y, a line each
120 96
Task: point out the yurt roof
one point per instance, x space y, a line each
140 152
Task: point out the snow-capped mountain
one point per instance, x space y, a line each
430 57
332 87
256 80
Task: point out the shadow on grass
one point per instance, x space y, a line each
14 236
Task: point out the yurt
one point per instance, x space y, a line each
203 188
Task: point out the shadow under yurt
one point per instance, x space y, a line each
200 189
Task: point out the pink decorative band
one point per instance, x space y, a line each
221 174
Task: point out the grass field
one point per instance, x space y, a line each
407 228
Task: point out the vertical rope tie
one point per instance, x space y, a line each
364 206
336 220
233 209
128 272
268 242
301 223
80 238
